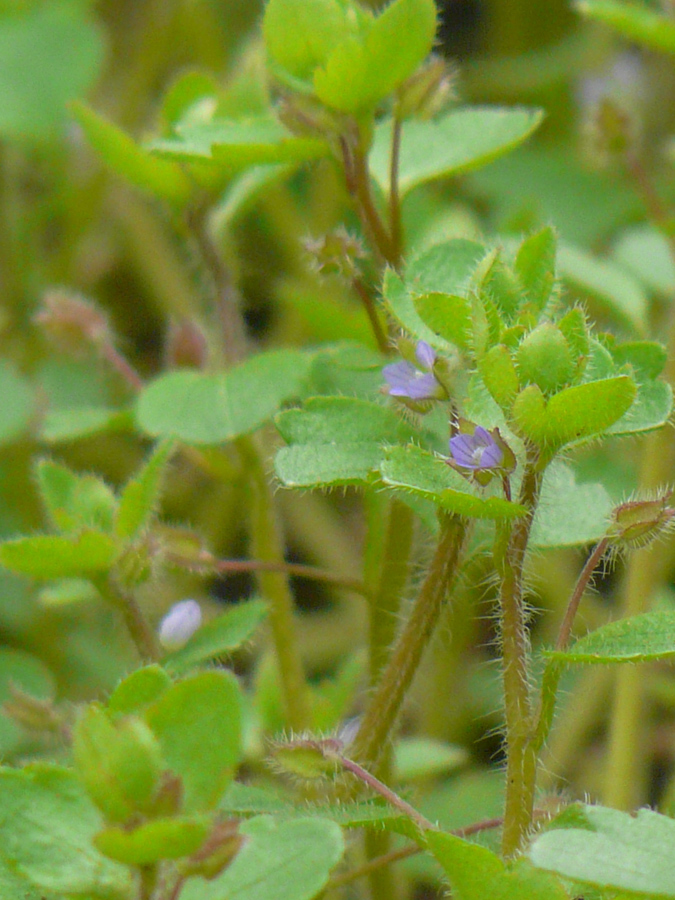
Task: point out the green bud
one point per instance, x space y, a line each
336 253
305 116
307 758
120 763
499 375
638 522
544 358
427 91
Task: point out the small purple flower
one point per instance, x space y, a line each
476 451
405 380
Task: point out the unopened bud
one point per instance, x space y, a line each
72 322
336 253
186 346
638 522
306 117
308 758
179 624
428 90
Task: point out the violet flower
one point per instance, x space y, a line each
405 380
475 451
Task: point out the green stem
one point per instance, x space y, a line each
521 763
395 221
137 625
268 546
373 316
383 711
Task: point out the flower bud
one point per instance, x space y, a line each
179 624
306 117
308 758
544 358
72 322
637 523
428 90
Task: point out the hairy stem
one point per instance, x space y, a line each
137 625
383 711
267 545
521 764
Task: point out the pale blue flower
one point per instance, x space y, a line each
179 624
405 380
476 451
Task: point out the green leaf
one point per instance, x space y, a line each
535 266
68 591
236 144
219 637
301 34
153 841
210 409
651 409
160 177
138 690
458 142
359 73
637 23
400 303
73 501
346 368
446 268
614 289
19 670
569 514
198 724
37 79
645 253
413 469
635 639
448 316
17 406
327 465
60 425
574 413
611 850
475 873
47 827
327 420
279 861
140 497
54 556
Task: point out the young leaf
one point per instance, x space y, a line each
47 829
476 873
138 690
360 73
413 469
643 638
54 556
446 315
535 266
401 305
210 409
610 850
153 841
162 178
637 23
459 141
219 637
279 861
74 501
140 496
198 724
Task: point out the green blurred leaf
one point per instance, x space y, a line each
620 296
422 757
160 177
37 79
73 501
611 850
17 406
476 873
646 254
459 141
54 556
635 22
413 469
635 639
237 144
279 861
68 591
60 425
219 637
138 690
140 497
28 674
47 828
569 513
153 841
198 724
210 409
361 71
